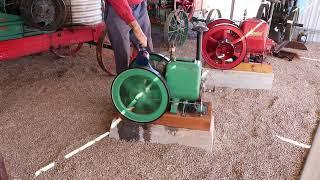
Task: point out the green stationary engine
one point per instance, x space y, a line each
183 78
144 93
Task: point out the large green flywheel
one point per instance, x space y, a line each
140 95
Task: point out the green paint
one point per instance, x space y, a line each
140 95
12 27
184 79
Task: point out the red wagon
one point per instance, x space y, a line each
63 42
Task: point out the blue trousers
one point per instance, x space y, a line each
120 34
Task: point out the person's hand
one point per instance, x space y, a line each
137 31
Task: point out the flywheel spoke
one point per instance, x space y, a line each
211 39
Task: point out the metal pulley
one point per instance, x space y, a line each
224 45
141 95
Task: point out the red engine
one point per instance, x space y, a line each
256 33
226 45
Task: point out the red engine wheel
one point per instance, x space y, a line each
187 6
224 46
220 21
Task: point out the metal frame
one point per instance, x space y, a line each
16 48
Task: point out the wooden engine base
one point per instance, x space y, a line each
190 121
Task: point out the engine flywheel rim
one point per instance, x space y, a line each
140 95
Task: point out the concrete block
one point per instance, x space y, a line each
153 133
251 76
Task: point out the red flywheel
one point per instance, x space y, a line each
220 21
224 46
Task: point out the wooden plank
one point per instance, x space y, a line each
187 122
251 67
254 67
311 167
3 172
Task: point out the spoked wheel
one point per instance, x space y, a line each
46 15
105 55
187 6
224 46
140 95
213 15
176 28
67 51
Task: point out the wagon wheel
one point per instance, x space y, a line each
67 51
213 15
46 15
224 46
176 28
187 6
105 55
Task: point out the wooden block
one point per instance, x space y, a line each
250 67
254 67
188 122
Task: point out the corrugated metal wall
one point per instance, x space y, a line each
240 5
310 17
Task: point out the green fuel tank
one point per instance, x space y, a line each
184 79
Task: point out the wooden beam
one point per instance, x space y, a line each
254 67
187 122
251 67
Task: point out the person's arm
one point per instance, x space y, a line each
124 11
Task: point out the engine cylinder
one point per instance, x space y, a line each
256 33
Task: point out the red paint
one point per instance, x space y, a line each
226 45
256 32
222 42
17 48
